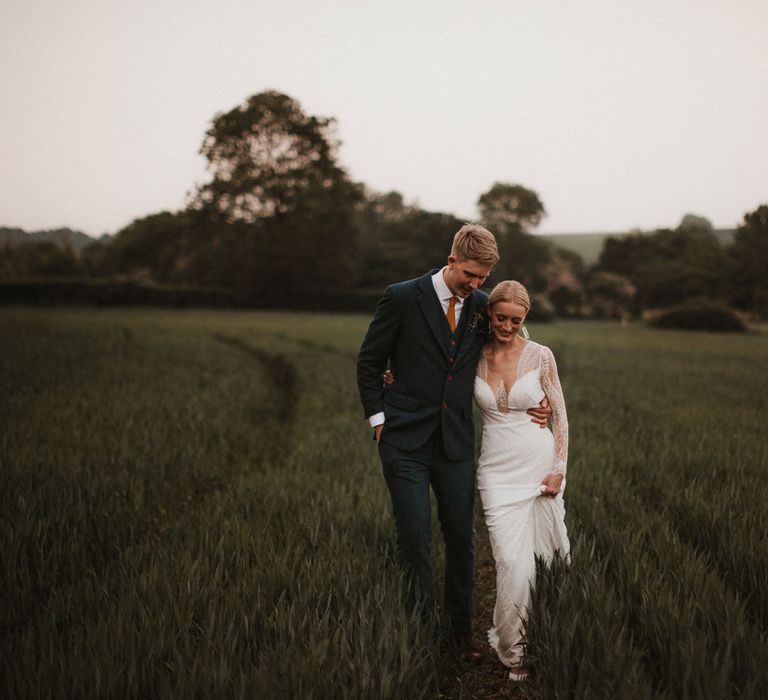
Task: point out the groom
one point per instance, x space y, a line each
430 331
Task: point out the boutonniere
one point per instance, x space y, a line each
479 323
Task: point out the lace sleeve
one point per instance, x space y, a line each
550 382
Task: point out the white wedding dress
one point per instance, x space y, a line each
516 454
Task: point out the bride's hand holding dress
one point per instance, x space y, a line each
551 484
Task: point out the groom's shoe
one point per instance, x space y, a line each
464 648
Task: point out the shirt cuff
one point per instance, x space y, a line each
376 419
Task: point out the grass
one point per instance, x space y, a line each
191 505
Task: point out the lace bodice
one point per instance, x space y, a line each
536 374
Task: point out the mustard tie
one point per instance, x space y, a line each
451 313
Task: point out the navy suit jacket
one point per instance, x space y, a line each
434 369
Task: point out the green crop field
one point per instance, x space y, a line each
192 506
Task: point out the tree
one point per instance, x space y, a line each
267 158
668 281
279 205
509 211
623 255
38 259
158 244
748 261
611 295
694 222
564 274
401 241
669 265
509 208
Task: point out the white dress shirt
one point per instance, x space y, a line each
444 294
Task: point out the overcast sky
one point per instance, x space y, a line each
621 114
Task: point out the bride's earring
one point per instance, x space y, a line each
524 332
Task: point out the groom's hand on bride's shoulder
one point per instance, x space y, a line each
541 413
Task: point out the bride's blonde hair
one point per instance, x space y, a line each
511 291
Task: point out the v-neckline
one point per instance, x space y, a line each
501 379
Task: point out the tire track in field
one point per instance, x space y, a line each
314 345
280 373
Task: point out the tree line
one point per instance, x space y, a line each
281 220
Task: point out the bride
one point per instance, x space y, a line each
521 471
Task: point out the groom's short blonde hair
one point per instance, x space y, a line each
473 242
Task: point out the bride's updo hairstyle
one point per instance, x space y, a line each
511 291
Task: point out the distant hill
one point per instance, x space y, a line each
589 245
61 237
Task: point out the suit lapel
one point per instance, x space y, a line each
468 332
433 312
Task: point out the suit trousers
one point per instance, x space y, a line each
409 476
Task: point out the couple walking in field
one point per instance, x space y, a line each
446 342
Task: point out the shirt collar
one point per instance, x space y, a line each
441 287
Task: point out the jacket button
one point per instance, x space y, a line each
444 405
450 359
450 377
453 343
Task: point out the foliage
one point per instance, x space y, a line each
542 309
587 246
400 241
611 295
509 212
44 258
705 314
667 281
403 241
112 291
63 238
523 258
694 222
267 156
279 203
564 275
669 265
622 256
159 244
748 262
507 208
